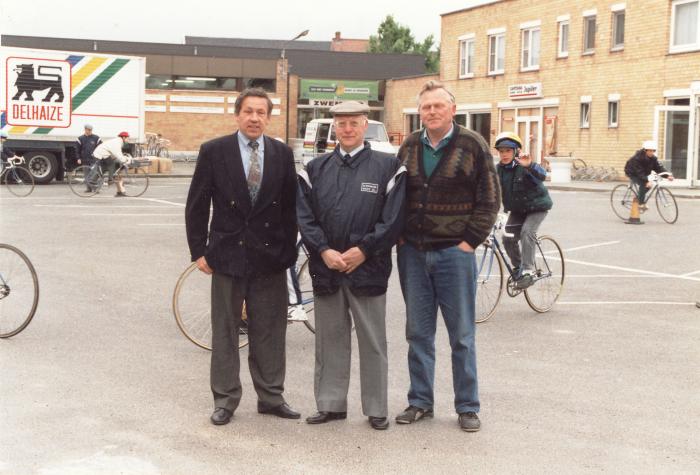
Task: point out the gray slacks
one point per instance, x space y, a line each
333 348
266 308
524 227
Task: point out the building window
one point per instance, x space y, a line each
497 53
613 113
589 28
412 123
531 49
563 45
197 83
585 115
618 30
466 56
685 33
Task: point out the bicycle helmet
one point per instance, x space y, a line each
649 145
508 140
3 134
124 134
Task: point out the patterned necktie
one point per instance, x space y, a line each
254 175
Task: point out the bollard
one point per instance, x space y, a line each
634 213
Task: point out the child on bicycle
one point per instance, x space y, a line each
639 167
526 198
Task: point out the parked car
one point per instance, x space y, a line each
320 138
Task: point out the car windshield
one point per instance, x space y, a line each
376 133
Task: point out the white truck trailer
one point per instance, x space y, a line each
48 96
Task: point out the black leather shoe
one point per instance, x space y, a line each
221 416
379 423
283 411
469 422
321 417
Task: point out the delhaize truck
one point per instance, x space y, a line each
49 96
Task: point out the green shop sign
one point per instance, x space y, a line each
343 90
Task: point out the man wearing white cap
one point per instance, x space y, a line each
87 143
640 165
350 214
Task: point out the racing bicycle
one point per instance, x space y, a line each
19 291
192 296
88 180
492 262
16 177
622 196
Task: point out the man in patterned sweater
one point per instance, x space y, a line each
452 198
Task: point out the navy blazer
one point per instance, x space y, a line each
243 238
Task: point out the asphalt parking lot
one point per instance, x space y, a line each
102 380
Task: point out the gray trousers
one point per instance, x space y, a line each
524 227
266 309
333 330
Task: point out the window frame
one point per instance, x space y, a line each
497 35
585 104
530 30
586 28
614 30
465 42
560 24
613 105
686 47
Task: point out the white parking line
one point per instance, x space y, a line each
109 215
608 243
628 269
161 224
691 273
154 200
626 302
615 276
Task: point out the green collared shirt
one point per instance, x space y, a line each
431 156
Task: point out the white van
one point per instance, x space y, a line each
320 138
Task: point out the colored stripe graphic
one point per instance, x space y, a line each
91 87
73 60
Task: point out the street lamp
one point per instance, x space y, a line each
284 45
286 76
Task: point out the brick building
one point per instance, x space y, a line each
191 88
591 79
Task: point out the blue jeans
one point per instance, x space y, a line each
444 278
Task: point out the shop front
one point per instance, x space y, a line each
317 96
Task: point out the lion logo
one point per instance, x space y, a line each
27 83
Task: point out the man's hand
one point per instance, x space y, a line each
334 260
203 266
79 162
524 160
353 257
669 177
648 185
464 246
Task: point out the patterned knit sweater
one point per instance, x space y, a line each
459 201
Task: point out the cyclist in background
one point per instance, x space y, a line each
5 152
639 167
111 156
526 198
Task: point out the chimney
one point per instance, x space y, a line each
337 36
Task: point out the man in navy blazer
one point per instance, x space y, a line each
250 180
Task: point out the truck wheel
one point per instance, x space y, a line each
42 166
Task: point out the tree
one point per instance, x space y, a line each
393 37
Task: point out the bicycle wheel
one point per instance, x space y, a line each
307 292
85 182
191 306
549 275
19 181
135 181
621 201
19 291
489 284
666 204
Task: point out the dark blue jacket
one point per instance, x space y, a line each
346 204
86 145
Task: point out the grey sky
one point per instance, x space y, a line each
169 21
